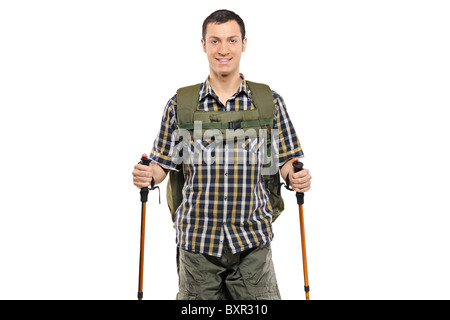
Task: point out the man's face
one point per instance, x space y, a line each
223 45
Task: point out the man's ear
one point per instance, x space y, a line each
204 45
244 44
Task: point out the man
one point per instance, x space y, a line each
224 225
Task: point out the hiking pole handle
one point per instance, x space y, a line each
298 166
145 161
144 191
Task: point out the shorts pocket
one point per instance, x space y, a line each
184 294
256 267
273 295
191 268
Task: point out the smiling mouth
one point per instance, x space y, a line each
224 60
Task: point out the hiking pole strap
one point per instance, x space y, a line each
298 166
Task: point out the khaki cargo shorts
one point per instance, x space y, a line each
247 275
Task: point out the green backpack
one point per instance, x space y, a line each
259 118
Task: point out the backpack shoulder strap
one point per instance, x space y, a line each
263 99
187 103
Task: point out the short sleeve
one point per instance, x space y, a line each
286 143
164 151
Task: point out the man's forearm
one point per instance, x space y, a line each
159 173
286 167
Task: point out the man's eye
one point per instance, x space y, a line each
233 41
214 41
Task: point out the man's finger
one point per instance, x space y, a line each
300 174
142 167
301 185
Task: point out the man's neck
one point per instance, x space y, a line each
225 86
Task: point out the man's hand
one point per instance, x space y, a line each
298 181
142 175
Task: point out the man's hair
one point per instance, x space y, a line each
222 16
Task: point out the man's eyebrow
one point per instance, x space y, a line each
215 37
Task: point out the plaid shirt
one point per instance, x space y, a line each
225 199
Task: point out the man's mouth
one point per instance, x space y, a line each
224 60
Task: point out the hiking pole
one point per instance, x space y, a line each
144 196
300 195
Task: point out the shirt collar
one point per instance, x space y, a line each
206 89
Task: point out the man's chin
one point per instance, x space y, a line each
225 73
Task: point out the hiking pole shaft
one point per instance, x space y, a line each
141 255
144 197
300 200
305 263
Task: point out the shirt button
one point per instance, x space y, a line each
224 198
226 173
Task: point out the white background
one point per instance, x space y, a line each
83 85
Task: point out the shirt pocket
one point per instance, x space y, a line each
252 149
205 151
205 145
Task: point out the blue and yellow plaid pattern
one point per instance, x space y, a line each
226 198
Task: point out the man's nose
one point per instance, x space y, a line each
224 50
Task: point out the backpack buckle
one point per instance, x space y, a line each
234 125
